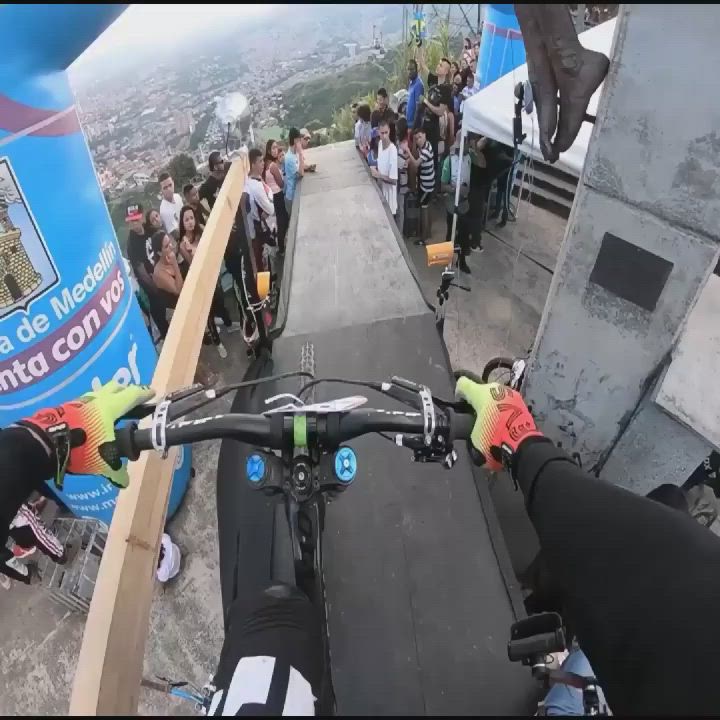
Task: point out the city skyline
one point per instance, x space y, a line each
143 31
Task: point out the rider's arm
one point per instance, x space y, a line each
641 582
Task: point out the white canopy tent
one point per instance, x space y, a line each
490 111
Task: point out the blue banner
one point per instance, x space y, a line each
501 46
69 321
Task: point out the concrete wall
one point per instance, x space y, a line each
651 178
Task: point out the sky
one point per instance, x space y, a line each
144 26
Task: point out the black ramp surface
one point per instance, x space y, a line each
419 613
244 515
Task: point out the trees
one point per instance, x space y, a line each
182 170
435 47
427 56
343 125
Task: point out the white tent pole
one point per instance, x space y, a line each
457 185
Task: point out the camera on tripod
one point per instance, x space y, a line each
533 639
532 642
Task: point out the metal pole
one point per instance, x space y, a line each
458 183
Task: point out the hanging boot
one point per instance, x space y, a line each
578 71
541 76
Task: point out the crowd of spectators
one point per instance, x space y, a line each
411 142
162 241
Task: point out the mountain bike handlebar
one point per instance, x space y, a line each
278 430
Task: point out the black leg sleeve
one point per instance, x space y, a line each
640 580
272 656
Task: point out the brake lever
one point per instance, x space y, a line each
404 391
175 399
459 406
139 412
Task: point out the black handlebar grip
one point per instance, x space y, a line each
124 439
139 412
462 424
542 644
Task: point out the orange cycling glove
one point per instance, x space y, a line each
502 421
82 431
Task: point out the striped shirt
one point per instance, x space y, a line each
427 168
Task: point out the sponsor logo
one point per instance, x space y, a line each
27 270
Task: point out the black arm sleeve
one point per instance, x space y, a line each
641 581
24 465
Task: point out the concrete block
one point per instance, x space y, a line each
595 349
656 143
689 391
654 450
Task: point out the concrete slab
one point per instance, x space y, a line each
685 392
338 167
346 257
502 312
538 234
636 464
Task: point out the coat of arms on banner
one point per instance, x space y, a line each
26 268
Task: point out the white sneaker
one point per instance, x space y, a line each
5 582
18 567
233 327
222 351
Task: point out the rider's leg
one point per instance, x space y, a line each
566 700
272 658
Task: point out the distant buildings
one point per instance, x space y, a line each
183 123
141 179
135 128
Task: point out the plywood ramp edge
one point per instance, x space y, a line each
109 670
